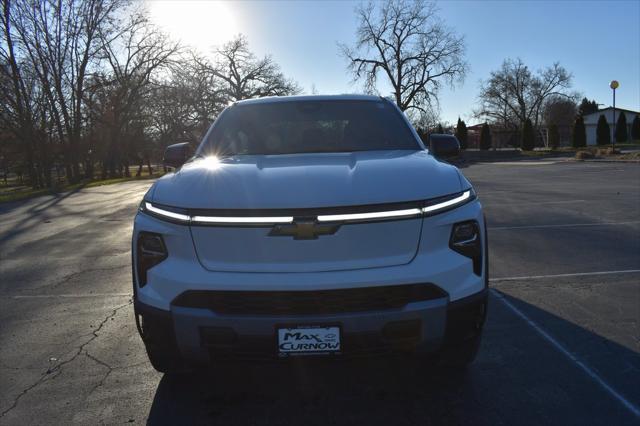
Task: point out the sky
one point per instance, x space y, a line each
597 41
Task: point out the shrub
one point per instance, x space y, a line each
554 136
621 128
528 137
602 152
485 137
461 133
584 155
603 132
579 136
635 128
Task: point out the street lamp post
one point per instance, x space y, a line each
614 85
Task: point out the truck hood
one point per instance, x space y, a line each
307 180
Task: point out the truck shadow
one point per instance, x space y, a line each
518 378
303 392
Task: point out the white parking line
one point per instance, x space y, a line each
592 374
524 163
536 203
563 225
576 274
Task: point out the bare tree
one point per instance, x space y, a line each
246 76
18 93
406 42
82 83
514 94
560 111
60 37
182 106
203 94
135 53
424 119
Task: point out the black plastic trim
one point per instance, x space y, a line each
141 271
466 317
476 259
308 302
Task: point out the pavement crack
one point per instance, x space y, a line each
106 375
23 393
55 371
97 360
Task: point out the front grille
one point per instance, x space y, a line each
308 302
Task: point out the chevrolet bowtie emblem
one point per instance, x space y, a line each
303 230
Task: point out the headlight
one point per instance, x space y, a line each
465 239
163 212
451 202
151 251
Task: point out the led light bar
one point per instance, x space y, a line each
241 219
458 200
350 217
366 216
166 213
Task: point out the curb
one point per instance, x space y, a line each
595 160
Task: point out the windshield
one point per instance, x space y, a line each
308 126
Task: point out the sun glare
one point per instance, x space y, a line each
211 162
200 24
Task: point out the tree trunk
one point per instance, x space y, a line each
73 156
88 169
140 165
67 172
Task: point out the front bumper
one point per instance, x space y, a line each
202 336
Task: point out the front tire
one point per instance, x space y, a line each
164 359
158 335
460 354
465 322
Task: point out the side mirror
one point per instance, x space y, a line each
177 154
444 146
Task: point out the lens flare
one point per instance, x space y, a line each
211 162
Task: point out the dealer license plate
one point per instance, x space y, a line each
308 340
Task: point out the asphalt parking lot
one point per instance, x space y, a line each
561 346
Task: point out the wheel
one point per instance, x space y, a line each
164 359
465 322
159 340
460 354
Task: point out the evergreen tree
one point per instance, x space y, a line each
603 132
554 136
587 107
485 137
439 130
622 135
635 128
461 133
528 137
579 137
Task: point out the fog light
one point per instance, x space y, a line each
465 239
151 251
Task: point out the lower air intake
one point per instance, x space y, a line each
309 302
